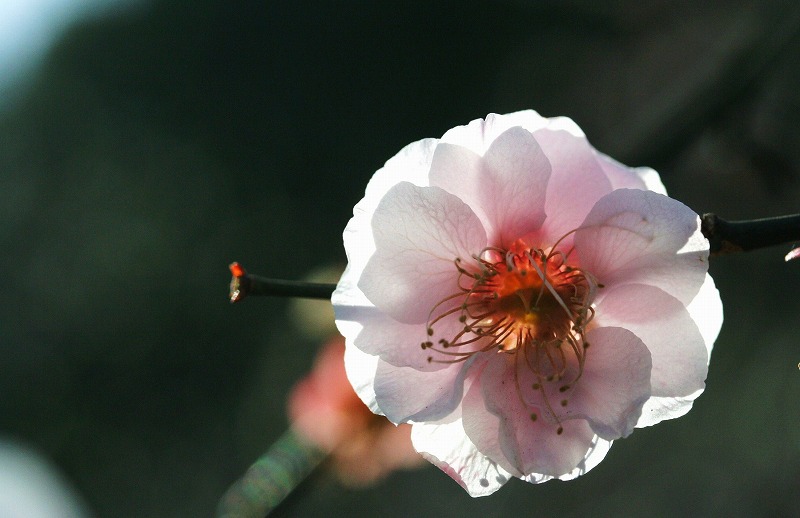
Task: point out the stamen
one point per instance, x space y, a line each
504 309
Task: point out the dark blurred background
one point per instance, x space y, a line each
155 144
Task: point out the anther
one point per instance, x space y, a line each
534 417
560 430
563 402
546 324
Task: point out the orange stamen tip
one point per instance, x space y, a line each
237 270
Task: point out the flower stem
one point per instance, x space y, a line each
726 237
271 478
244 284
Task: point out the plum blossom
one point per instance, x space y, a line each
523 300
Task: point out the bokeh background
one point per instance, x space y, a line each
156 141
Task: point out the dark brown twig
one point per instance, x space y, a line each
727 237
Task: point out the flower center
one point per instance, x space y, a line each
522 301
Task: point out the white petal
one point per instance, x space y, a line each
658 409
624 177
479 134
418 232
706 311
360 368
597 452
400 392
396 343
445 444
411 164
633 236
405 394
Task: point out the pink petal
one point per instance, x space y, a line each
418 232
576 183
614 385
505 188
484 427
679 355
496 416
633 236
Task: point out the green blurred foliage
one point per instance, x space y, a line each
155 147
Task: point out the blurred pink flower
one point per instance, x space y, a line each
484 264
324 409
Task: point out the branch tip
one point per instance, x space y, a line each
726 237
244 285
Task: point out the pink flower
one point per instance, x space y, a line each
523 300
324 409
